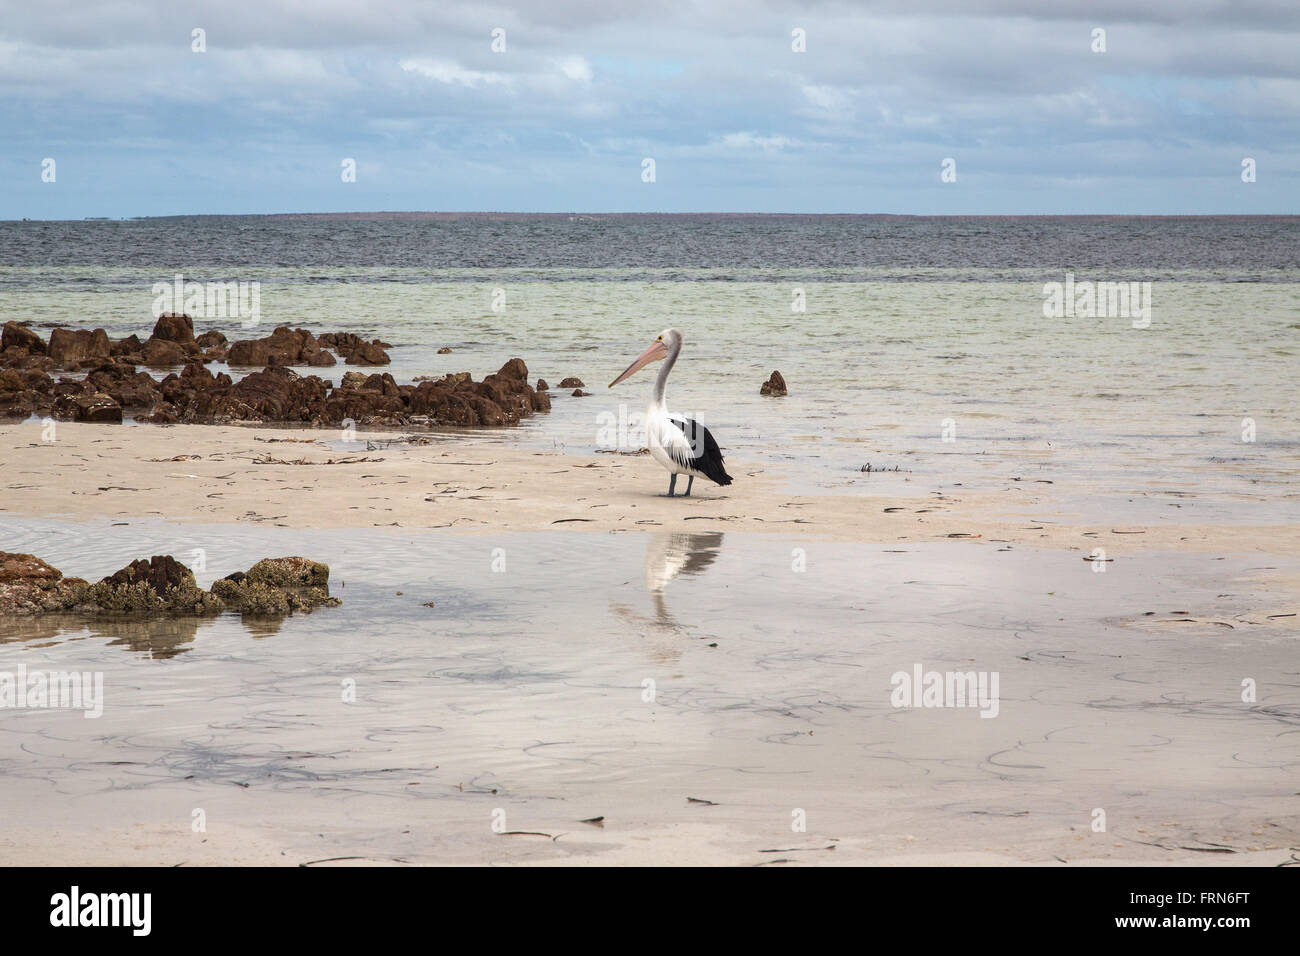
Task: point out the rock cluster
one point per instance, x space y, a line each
355 350
112 384
282 347
162 585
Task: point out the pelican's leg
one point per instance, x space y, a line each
672 483
689 483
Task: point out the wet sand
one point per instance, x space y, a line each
488 485
769 622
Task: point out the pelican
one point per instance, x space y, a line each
682 445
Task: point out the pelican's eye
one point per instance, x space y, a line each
660 339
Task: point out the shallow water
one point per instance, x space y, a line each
880 373
524 690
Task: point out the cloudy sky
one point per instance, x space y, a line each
584 91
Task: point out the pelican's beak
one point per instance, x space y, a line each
654 353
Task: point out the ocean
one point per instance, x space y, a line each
937 351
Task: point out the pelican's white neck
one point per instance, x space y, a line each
661 383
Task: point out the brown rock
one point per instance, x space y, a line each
97 407
13 380
488 412
214 346
774 386
15 357
579 393
284 346
431 398
341 342
493 389
374 400
164 413
571 382
368 353
460 403
195 390
382 383
541 385
16 336
514 369
444 351
320 359
129 388
276 395
26 567
68 347
196 395
160 584
129 346
175 327
30 586
22 393
163 353
276 586
162 572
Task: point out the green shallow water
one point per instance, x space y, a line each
877 369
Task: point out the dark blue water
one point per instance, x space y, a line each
1235 248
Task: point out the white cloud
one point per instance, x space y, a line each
453 74
829 99
745 140
575 68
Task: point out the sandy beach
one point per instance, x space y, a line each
283 478
499 724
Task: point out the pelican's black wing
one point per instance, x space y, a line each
701 451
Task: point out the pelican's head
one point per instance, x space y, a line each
667 342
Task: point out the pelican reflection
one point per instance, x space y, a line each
669 556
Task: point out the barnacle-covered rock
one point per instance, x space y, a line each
278 586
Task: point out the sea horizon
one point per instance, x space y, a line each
451 214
